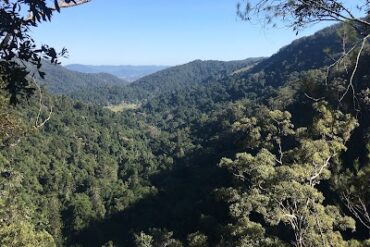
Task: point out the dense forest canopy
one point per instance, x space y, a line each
260 152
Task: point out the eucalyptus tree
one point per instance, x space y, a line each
276 198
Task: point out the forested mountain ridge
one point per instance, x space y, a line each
304 54
259 79
189 74
168 80
214 158
127 72
307 53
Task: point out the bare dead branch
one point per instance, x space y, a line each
320 171
281 154
314 99
37 122
357 207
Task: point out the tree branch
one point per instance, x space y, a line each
326 164
358 210
61 5
350 85
37 122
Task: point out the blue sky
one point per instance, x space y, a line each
159 32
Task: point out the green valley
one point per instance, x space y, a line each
271 151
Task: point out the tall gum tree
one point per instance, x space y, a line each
276 198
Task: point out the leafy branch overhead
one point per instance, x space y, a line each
299 14
17 47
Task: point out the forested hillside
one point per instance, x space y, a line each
259 152
189 74
59 80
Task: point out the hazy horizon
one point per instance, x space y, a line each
118 65
154 65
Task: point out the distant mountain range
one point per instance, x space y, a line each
129 73
168 80
107 88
